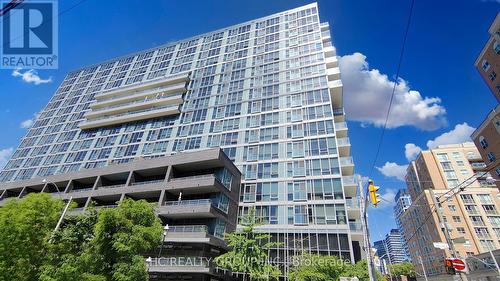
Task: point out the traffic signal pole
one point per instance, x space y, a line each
363 204
446 232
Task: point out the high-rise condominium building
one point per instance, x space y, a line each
471 215
487 135
391 249
488 61
403 202
487 140
267 91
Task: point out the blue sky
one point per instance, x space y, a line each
441 88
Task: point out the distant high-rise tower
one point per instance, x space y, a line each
391 248
268 91
403 202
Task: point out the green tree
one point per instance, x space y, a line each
25 228
328 268
94 246
317 268
405 268
249 251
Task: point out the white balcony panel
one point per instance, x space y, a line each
136 105
118 99
331 62
124 118
333 73
336 93
329 53
144 86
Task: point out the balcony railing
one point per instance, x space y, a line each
338 111
355 226
198 202
146 182
161 97
131 112
189 228
341 125
346 161
352 203
208 176
111 186
349 180
82 189
343 141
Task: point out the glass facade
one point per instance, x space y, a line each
267 91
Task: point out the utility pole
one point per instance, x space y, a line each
423 268
495 261
363 205
388 257
444 228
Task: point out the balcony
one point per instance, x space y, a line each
344 146
129 116
333 74
192 234
352 206
350 186
336 93
330 53
474 157
341 129
137 102
194 185
202 208
347 165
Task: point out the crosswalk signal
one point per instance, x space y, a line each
374 196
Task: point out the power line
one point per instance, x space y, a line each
50 19
9 6
460 188
394 87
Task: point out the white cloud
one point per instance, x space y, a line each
391 169
412 151
387 198
5 156
29 122
461 133
367 93
30 76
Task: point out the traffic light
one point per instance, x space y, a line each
373 193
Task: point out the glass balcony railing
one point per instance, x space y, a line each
352 203
156 98
111 186
346 161
349 180
189 228
131 112
340 125
343 141
146 182
355 226
199 202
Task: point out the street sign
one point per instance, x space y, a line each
458 264
440 245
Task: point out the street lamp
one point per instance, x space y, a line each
165 229
58 225
44 181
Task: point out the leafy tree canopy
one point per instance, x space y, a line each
249 252
405 268
93 246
